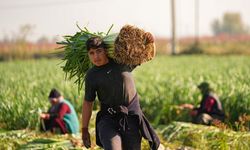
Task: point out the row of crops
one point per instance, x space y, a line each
176 135
165 83
162 84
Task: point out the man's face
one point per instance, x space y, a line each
203 90
98 56
54 101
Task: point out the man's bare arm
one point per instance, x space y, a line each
86 113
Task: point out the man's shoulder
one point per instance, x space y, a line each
124 67
66 103
91 72
212 95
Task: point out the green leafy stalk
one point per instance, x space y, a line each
75 53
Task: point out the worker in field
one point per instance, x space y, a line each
210 108
61 116
120 123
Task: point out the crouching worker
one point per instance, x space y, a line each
210 108
61 116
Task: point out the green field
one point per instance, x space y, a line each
162 84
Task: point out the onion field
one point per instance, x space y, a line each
162 84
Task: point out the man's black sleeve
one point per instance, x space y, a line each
128 68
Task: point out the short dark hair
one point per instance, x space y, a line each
205 86
54 93
95 42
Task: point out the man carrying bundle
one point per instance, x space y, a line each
210 108
61 115
120 123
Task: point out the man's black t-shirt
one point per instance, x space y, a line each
113 83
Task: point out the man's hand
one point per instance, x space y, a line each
44 116
86 137
149 37
187 106
86 114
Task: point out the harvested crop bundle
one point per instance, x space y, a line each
75 53
132 46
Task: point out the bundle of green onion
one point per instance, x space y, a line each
129 47
75 53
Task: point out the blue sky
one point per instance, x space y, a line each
58 17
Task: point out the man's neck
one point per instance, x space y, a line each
106 62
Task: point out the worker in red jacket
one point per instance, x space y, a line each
61 115
210 108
